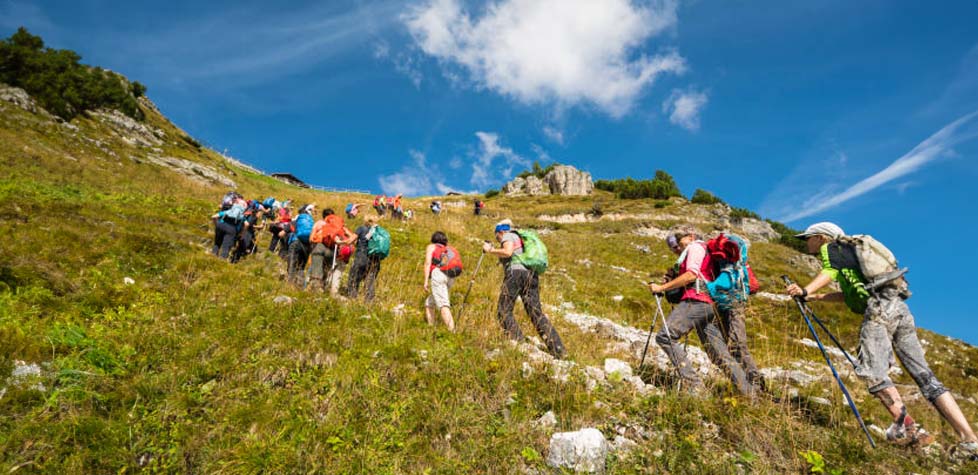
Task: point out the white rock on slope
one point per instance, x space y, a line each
582 451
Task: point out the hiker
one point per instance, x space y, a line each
334 278
299 246
442 264
366 262
408 214
326 234
730 290
398 210
478 207
352 210
435 207
887 328
390 205
280 230
379 201
520 281
695 312
227 222
246 236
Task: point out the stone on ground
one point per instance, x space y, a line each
581 451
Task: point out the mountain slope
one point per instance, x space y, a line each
193 367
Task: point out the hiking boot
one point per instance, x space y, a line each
964 452
912 435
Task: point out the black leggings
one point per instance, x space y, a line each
224 233
525 284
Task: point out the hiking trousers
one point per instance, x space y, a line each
224 233
525 284
691 315
366 269
298 254
245 242
734 327
888 327
322 262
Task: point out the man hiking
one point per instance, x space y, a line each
887 328
365 265
478 207
695 312
519 281
280 230
299 246
442 264
227 222
379 204
327 234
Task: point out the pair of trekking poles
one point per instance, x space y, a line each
808 315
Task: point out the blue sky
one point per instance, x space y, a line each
856 112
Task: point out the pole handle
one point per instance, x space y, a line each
786 279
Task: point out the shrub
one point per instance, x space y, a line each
741 213
704 197
61 84
662 187
537 170
788 236
491 193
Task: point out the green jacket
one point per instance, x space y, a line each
839 262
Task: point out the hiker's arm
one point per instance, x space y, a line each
683 280
427 263
505 251
817 283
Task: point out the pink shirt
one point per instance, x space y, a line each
698 263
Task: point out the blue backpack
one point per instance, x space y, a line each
269 202
732 284
235 212
303 228
379 244
349 207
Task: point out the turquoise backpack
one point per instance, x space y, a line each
380 243
534 256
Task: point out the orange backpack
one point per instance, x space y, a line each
333 230
447 260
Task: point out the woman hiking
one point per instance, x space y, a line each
442 264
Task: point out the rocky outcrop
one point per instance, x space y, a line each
192 170
756 230
566 180
562 180
130 130
20 98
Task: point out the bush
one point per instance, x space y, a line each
788 236
61 84
662 187
741 213
703 197
491 193
537 170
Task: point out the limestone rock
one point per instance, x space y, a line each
756 230
566 180
283 300
547 421
581 451
193 170
20 98
130 130
561 180
619 367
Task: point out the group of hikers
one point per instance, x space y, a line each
709 286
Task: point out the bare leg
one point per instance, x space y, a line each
891 400
429 315
948 408
446 318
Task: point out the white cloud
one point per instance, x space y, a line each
554 134
414 179
684 108
936 146
493 162
560 52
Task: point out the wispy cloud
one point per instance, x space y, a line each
684 108
493 162
253 45
554 134
559 52
936 146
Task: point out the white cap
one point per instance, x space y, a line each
824 228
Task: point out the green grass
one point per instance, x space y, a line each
194 369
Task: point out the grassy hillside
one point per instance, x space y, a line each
194 367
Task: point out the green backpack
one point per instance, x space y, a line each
534 256
380 243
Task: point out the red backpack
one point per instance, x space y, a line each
447 260
732 250
333 230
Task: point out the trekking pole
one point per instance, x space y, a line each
658 303
852 405
471 282
831 336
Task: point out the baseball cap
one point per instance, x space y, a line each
824 228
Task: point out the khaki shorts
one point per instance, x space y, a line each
439 283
